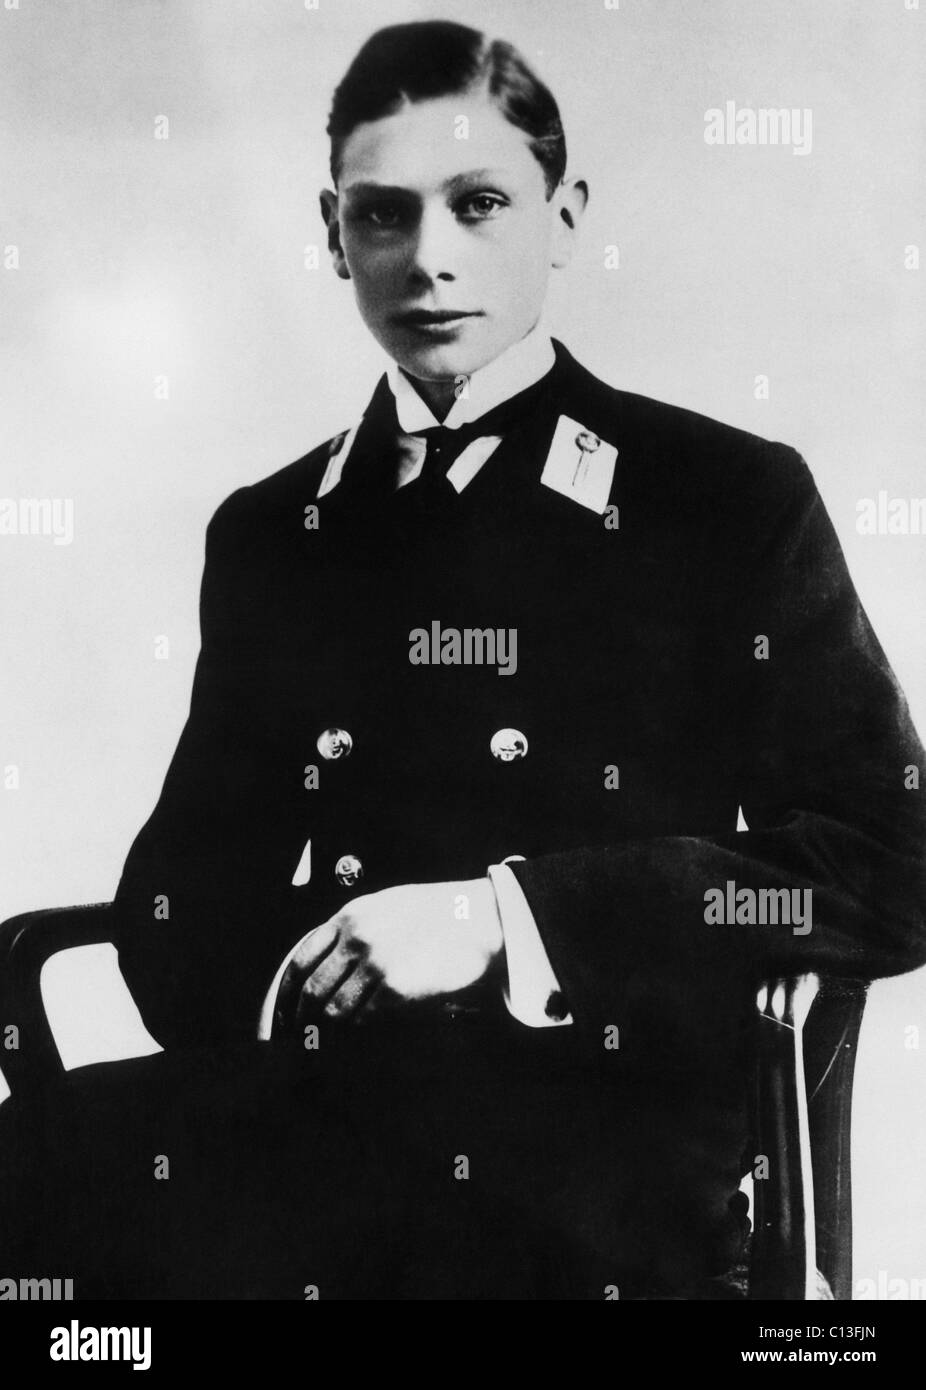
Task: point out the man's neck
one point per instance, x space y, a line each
430 401
438 396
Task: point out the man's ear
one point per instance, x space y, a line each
569 202
328 202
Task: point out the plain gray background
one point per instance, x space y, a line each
186 258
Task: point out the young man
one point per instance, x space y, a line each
483 685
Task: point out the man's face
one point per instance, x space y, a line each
449 241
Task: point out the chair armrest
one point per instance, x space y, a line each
830 1046
782 1241
806 1042
26 943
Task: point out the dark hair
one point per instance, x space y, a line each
436 58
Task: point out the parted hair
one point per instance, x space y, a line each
437 58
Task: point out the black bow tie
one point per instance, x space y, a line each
444 446
372 462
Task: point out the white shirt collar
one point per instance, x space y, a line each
518 367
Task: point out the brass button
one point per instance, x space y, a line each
508 745
334 744
348 870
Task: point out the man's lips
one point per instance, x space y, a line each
418 318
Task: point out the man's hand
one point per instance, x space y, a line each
415 942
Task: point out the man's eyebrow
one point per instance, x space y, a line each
456 182
394 190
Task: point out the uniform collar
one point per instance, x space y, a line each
514 370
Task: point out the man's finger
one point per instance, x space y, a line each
309 953
321 985
327 975
352 993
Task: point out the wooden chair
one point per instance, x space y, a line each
806 1035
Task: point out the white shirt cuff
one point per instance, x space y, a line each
533 995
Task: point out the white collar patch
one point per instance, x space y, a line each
580 465
339 448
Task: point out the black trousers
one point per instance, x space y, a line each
397 1163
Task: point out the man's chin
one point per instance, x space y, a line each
442 361
438 364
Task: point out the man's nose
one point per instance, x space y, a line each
435 248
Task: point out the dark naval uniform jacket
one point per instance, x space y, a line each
688 646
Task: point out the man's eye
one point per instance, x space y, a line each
481 206
385 215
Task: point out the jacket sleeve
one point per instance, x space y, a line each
828 786
193 898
